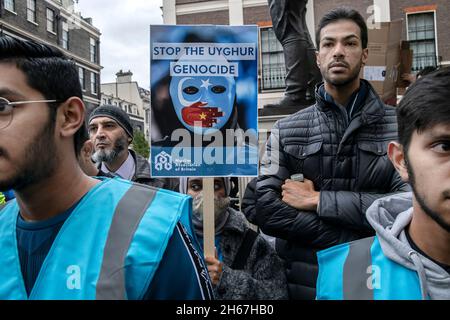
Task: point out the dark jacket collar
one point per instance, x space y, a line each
142 170
372 107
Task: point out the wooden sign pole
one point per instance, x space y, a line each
208 216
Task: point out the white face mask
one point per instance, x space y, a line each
220 207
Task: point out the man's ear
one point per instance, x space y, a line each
365 56
318 59
87 149
71 116
396 154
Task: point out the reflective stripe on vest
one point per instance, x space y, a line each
356 266
359 270
111 283
108 248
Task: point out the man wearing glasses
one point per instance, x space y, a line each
66 235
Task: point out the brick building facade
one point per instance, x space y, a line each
55 22
417 15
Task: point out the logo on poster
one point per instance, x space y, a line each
163 160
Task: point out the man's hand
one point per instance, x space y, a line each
215 268
300 195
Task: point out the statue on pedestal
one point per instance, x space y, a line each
302 73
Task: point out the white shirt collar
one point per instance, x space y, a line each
126 170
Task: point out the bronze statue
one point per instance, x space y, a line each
302 73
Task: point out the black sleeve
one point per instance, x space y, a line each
278 219
348 209
182 274
249 201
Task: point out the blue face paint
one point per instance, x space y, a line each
203 103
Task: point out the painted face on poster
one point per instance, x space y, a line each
203 104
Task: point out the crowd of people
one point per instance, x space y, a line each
81 217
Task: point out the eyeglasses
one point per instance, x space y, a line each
7 107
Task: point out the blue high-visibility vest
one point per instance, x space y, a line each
359 270
108 248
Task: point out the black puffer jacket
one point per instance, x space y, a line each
347 162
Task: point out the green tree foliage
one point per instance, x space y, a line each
140 145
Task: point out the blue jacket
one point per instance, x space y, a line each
110 246
359 270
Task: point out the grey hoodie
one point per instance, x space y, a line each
389 217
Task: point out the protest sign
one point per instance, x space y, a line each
204 100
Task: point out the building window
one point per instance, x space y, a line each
422 38
273 69
10 5
93 50
51 21
93 83
31 10
81 76
65 35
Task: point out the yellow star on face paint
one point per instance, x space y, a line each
202 116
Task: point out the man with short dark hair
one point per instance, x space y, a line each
66 235
409 258
339 146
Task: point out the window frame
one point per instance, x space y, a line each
93 54
13 2
94 83
82 79
408 14
32 10
65 35
263 88
52 22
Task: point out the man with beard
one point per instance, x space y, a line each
339 146
111 133
66 235
85 160
409 258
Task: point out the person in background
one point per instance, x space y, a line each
111 134
245 266
87 164
68 236
409 258
85 159
339 147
